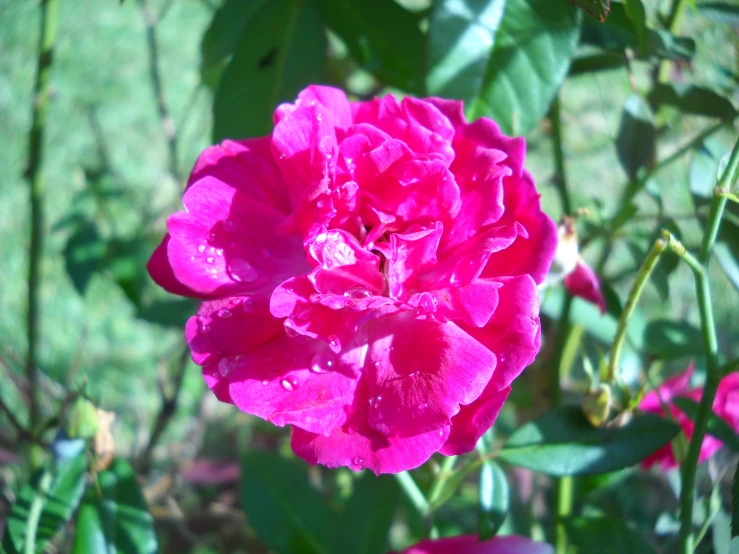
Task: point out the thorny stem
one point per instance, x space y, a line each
710 343
49 28
636 289
156 80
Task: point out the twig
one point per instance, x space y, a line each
168 409
49 27
713 371
156 80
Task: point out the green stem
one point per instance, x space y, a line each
34 512
559 160
713 371
49 26
636 289
414 494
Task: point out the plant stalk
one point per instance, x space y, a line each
713 371
41 99
34 512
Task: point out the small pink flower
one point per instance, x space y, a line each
579 278
469 544
725 405
369 274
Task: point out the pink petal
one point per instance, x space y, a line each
470 544
360 447
473 421
226 244
410 254
161 271
421 372
333 99
248 166
583 282
278 381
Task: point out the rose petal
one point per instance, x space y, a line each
583 282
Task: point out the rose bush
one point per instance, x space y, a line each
368 274
470 544
725 405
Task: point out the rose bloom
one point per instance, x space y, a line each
369 275
725 405
469 544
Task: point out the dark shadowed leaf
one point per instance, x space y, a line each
597 8
605 535
368 515
287 513
505 59
563 442
222 36
64 494
282 49
693 99
382 37
171 313
721 13
636 136
613 302
115 517
668 339
636 14
84 255
493 500
735 503
590 63
717 426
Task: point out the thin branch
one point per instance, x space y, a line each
167 122
49 27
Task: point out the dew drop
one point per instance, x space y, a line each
357 461
210 259
357 293
201 248
323 362
289 384
211 236
219 251
226 365
241 270
265 383
333 341
290 331
375 400
319 117
224 313
206 328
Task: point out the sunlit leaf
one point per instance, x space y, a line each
58 505
563 442
505 59
493 500
282 49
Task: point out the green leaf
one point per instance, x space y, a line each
717 426
222 36
636 137
721 13
735 503
636 14
282 50
694 100
383 37
597 8
493 501
613 302
64 493
287 513
84 255
452 481
605 535
728 262
505 59
562 442
590 63
115 517
368 515
669 339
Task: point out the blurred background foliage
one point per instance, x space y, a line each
140 87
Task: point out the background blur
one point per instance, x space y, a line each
133 104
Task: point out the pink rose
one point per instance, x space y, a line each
369 274
469 544
725 405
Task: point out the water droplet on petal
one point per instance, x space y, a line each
319 117
357 461
323 362
357 293
290 331
241 270
224 313
219 251
289 384
210 259
205 328
226 365
211 236
201 248
265 383
333 341
375 400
